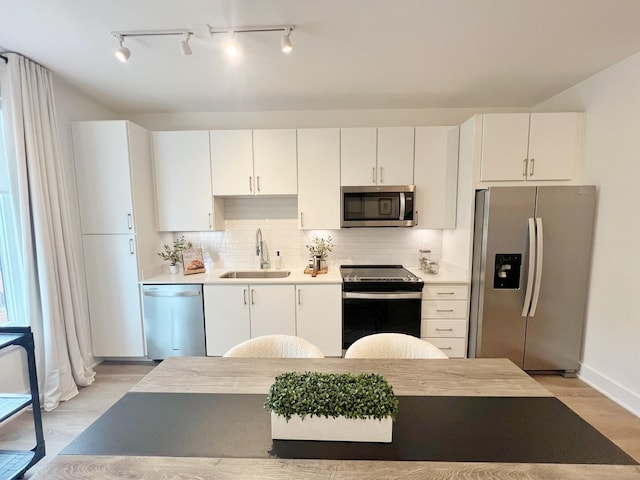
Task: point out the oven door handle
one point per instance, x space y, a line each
382 296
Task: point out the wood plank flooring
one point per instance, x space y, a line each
114 379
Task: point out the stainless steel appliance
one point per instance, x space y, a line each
531 263
173 320
382 206
377 299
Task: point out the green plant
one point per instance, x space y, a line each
320 246
367 395
174 254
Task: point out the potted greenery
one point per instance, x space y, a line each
320 247
331 406
173 254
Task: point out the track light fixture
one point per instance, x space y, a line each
123 53
285 41
203 32
185 49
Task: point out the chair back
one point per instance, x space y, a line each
275 346
393 345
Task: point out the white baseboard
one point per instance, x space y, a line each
609 388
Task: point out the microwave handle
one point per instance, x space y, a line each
403 206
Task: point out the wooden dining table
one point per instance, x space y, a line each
493 378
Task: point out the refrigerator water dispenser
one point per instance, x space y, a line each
507 271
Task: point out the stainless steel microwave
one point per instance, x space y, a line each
381 206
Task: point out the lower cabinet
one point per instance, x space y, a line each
445 310
319 317
235 313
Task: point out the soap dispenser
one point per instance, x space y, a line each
278 259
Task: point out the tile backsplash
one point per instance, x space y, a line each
235 247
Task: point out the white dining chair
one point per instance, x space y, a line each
393 345
275 346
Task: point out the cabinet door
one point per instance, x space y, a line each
436 176
182 168
395 155
319 317
319 178
272 310
226 317
101 152
554 146
232 162
275 162
358 151
505 138
114 296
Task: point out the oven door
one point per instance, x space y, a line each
366 313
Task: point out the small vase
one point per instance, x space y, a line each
173 268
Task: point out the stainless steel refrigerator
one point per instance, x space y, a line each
531 264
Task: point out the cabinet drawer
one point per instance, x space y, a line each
445 292
444 309
443 328
453 347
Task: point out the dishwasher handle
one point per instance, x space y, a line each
186 293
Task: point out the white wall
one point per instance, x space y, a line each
611 100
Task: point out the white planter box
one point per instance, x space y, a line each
334 429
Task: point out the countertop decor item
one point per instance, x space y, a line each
331 406
193 261
320 246
173 254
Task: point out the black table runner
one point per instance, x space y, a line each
448 429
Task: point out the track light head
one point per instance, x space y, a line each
285 41
185 48
232 47
123 53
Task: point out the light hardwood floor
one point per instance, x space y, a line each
113 380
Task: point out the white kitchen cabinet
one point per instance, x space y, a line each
275 162
376 156
319 317
226 317
319 178
182 172
102 162
436 176
114 297
445 312
254 162
235 313
116 198
530 147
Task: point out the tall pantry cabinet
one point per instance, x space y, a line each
115 192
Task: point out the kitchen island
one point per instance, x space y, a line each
434 379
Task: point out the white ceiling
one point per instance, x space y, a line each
348 54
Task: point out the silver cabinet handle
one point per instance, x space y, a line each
449 310
532 168
252 292
210 222
445 348
417 223
524 167
381 179
244 295
373 174
258 183
299 297
302 219
131 250
444 329
250 184
130 221
445 293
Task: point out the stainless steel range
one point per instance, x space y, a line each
379 299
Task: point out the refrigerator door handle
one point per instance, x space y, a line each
532 262
539 258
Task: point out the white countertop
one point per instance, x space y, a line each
297 276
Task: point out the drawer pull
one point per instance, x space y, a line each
449 310
445 293
444 329
445 348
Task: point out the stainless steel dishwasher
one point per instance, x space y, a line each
173 320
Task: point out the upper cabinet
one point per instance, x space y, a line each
530 147
436 172
182 168
319 178
102 160
377 156
258 162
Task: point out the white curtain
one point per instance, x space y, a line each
51 291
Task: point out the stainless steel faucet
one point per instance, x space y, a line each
262 251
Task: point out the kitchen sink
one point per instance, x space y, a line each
256 274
